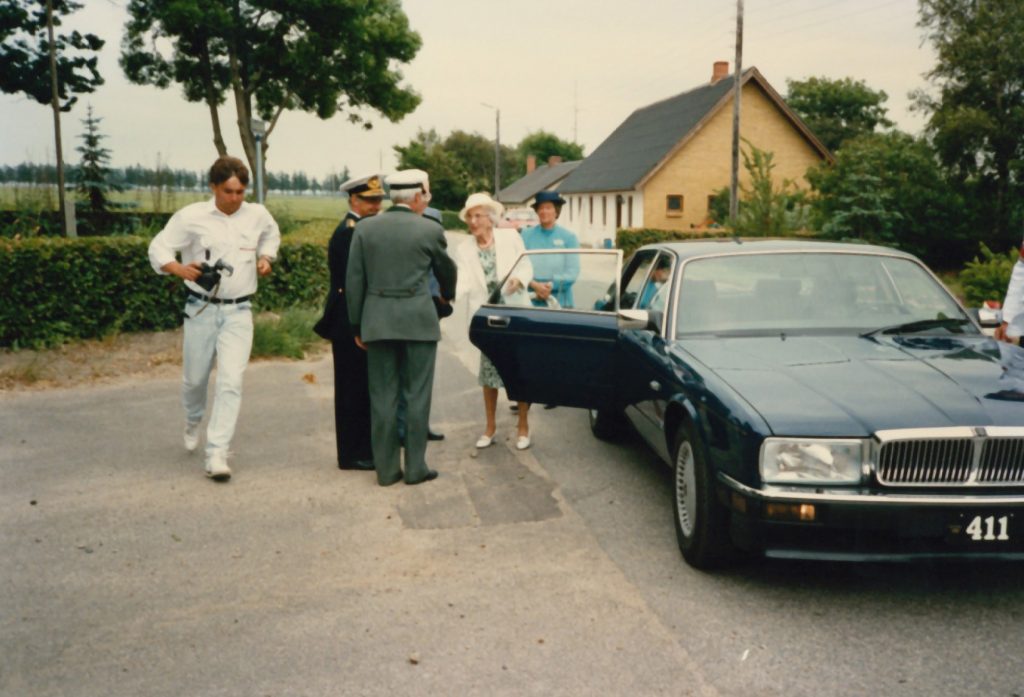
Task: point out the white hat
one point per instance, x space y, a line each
481 199
409 179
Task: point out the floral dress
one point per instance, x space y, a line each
488 375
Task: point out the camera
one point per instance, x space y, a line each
211 275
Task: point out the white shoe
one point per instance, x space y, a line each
217 466
191 437
522 443
484 441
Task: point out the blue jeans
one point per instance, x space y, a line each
224 333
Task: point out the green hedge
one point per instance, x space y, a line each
60 289
631 239
26 224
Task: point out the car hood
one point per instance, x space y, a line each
854 386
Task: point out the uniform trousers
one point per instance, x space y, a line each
222 333
351 402
406 367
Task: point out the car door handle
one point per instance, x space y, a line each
496 321
655 385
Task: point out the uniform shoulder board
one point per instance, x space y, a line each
350 223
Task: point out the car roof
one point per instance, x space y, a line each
728 246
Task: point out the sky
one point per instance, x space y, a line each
576 68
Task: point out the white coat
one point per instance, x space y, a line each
471 289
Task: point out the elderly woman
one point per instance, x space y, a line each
483 263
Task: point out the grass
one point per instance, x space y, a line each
300 207
288 334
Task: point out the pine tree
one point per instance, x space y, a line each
94 174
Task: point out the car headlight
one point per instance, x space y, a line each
812 461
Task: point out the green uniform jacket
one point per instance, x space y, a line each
388 277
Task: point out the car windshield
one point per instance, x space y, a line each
862 293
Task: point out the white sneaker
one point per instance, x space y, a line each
191 437
217 466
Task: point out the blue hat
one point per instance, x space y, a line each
547 197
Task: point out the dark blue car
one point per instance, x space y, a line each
819 400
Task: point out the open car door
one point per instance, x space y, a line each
559 350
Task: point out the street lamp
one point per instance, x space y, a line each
259 130
497 147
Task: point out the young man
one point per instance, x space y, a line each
351 386
394 318
1013 306
234 241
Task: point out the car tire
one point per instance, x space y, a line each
701 522
606 425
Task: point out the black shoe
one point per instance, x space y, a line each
431 475
397 478
434 435
550 406
365 465
514 406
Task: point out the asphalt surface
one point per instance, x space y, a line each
552 571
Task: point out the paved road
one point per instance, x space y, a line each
549 572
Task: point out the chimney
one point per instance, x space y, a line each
719 71
531 163
554 160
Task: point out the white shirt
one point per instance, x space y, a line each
1013 305
239 239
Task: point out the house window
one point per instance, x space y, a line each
674 205
604 211
590 207
570 209
630 209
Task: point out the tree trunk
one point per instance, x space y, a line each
211 100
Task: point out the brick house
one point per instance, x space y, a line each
662 165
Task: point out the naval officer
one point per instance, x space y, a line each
351 386
394 318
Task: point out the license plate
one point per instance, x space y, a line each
985 528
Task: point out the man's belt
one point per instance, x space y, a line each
394 292
219 301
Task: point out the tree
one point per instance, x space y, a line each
837 110
977 115
94 176
272 56
767 209
49 67
888 188
543 145
25 53
448 179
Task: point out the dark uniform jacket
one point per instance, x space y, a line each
334 324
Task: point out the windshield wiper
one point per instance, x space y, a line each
920 326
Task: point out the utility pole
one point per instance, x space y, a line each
55 103
497 147
734 181
259 132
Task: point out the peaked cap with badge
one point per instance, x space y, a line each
370 187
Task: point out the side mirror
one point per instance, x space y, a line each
640 319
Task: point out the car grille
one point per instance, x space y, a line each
968 460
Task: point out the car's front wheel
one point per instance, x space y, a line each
701 522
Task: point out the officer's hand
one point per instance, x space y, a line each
359 343
1001 332
263 267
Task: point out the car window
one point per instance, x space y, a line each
807 291
576 280
655 291
635 278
